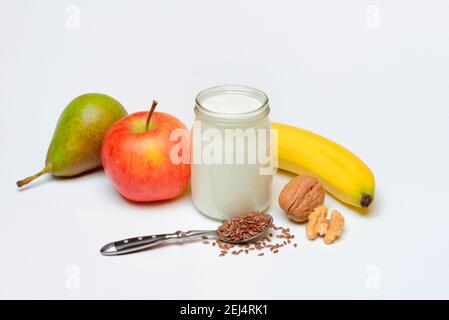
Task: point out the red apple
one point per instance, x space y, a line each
137 155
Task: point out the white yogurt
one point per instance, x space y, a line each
235 185
231 103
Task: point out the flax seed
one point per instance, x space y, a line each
247 226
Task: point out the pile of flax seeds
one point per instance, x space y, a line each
276 239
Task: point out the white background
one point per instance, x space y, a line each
372 75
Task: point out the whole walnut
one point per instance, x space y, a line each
300 197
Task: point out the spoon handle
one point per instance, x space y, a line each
145 242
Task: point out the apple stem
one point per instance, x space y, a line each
27 180
153 106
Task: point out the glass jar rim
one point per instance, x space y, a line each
251 115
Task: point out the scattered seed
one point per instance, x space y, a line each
247 226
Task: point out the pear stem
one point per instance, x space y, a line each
27 180
147 124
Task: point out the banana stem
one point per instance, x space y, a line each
147 124
27 180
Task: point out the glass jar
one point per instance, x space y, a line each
232 162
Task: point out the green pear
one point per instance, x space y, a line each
75 147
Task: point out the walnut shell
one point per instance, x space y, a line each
300 196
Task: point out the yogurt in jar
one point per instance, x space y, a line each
232 154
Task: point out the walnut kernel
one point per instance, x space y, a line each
335 228
318 225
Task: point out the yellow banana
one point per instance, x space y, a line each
342 173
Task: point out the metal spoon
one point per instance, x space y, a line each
145 242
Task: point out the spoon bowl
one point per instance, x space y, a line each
251 239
